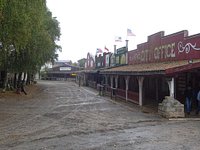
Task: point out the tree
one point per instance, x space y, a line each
81 63
28 34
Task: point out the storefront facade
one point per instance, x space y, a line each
62 72
164 65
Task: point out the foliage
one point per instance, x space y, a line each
28 34
81 62
74 64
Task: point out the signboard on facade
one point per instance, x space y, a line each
121 50
99 60
120 56
112 60
65 68
160 48
107 59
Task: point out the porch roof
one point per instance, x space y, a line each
87 71
160 68
60 72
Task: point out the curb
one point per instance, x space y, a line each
184 119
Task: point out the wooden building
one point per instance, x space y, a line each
164 65
61 71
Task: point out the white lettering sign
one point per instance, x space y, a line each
65 68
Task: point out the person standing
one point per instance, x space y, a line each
198 101
188 99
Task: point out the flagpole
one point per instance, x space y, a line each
127 45
126 51
115 49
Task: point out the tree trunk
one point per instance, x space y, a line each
24 78
15 81
5 81
19 82
22 84
28 79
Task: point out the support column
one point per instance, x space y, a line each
106 79
115 49
111 81
114 89
79 80
111 86
140 82
106 82
127 83
157 90
171 86
116 82
84 79
126 51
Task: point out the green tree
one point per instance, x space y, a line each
28 34
81 62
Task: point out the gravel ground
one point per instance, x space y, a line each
62 116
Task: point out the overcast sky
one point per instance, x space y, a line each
90 24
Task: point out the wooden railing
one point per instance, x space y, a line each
92 84
121 93
133 96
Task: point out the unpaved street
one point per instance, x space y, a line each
63 116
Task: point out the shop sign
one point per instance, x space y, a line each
121 50
120 57
178 46
65 68
73 74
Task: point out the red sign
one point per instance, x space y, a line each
160 48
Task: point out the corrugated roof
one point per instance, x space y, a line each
87 71
148 68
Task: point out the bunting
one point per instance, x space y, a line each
99 50
106 49
130 33
118 39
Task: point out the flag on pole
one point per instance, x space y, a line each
106 49
118 39
130 33
99 50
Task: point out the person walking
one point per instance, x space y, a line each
188 99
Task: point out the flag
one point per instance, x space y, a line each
130 33
118 39
106 49
99 50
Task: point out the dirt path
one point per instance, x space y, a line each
64 116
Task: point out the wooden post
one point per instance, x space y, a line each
111 82
127 83
140 81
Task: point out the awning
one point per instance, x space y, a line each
60 72
162 68
87 71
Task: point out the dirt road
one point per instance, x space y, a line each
63 116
